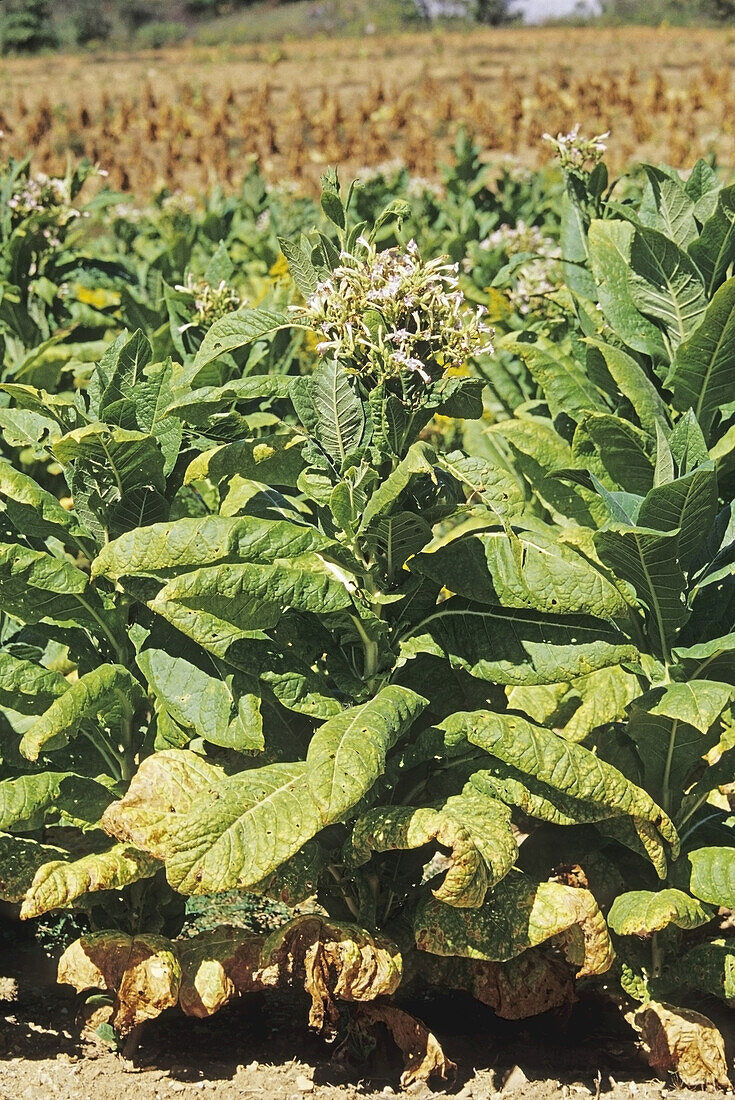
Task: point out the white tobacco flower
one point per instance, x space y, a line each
388 313
209 303
575 151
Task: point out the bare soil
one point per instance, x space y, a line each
260 1047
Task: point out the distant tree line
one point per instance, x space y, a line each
27 26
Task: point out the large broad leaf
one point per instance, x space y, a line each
674 207
107 696
36 586
217 832
688 504
610 244
713 875
114 457
615 451
26 802
506 646
714 251
166 549
419 461
643 912
142 971
565 383
203 406
340 418
476 830
524 569
664 284
704 365
648 560
633 382
33 511
20 858
57 885
683 1042
236 330
219 605
519 914
604 696
27 687
709 968
214 701
347 754
561 764
273 460
496 484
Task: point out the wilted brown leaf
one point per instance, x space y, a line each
683 1042
143 971
217 966
422 1053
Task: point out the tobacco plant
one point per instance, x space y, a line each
465 712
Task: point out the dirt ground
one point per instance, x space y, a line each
262 1048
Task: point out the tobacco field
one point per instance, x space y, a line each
368 562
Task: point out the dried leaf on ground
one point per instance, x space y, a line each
422 1052
683 1042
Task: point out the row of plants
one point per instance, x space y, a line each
315 588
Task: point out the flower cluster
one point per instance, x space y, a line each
209 303
512 239
575 152
389 313
42 194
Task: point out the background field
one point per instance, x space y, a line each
192 116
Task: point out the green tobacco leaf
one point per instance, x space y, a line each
274 460
236 330
32 510
36 586
217 832
674 205
688 504
664 284
165 549
27 687
708 968
615 451
561 764
106 696
200 406
114 457
477 831
704 365
535 798
713 875
506 646
212 700
517 915
643 912
419 461
347 754
213 831
26 802
302 270
20 858
697 702
604 695
340 418
713 660
218 605
633 382
610 244
565 382
714 251
648 561
396 538
57 885
499 487
524 569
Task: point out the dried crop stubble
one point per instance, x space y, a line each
186 118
